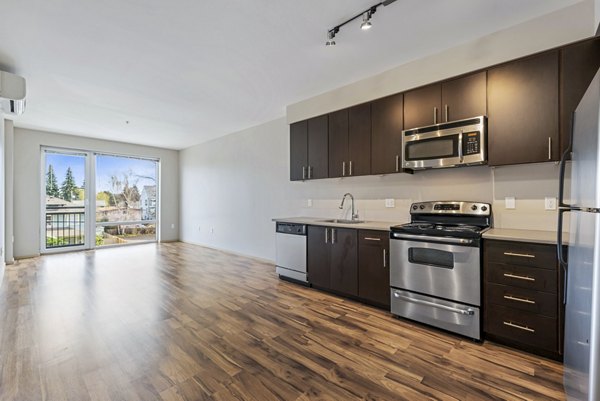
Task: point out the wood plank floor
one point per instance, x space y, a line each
181 322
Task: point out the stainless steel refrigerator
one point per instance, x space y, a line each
582 269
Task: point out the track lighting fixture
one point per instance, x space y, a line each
365 25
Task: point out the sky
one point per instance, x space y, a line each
106 166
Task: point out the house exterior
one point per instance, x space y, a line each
148 202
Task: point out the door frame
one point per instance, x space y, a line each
87 203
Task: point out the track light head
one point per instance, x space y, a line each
330 36
366 23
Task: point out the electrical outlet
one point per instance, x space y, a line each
510 202
309 203
390 203
550 203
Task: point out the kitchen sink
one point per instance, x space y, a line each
342 221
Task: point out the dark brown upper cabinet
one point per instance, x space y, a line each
579 63
387 123
422 106
350 141
298 150
523 110
451 100
464 97
308 149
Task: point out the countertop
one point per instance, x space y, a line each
320 221
535 236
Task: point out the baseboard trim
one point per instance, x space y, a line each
37 255
258 259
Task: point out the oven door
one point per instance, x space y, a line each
442 270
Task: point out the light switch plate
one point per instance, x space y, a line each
390 203
309 203
550 203
510 202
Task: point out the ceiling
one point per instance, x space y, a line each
181 72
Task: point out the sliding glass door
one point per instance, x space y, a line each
92 200
65 203
126 200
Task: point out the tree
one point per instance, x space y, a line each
68 187
51 183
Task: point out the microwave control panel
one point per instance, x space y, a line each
471 143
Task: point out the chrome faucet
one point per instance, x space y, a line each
354 214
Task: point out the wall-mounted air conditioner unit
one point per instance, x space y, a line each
12 93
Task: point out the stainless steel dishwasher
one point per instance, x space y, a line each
290 258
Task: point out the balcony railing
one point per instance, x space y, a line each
64 229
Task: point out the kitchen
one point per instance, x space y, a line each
350 325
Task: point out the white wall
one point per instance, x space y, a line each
2 191
563 26
27 148
235 186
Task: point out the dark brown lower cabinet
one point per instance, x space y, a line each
373 267
332 259
523 296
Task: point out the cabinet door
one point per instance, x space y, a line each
344 261
373 267
578 66
359 134
464 97
387 123
338 143
318 147
298 150
422 106
317 258
523 111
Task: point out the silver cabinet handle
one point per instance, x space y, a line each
333 235
309 172
372 239
327 235
384 257
460 146
519 255
446 111
517 299
435 115
397 163
343 169
350 168
549 148
525 278
303 173
469 312
517 326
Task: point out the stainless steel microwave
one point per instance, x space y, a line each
452 144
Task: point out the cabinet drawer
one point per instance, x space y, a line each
542 303
522 277
522 327
519 253
373 237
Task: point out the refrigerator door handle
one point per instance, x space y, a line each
561 174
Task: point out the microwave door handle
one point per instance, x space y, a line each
460 147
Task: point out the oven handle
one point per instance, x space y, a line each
469 312
447 240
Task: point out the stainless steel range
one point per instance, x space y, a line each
435 265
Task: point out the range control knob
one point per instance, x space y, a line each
484 208
422 207
415 207
474 207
